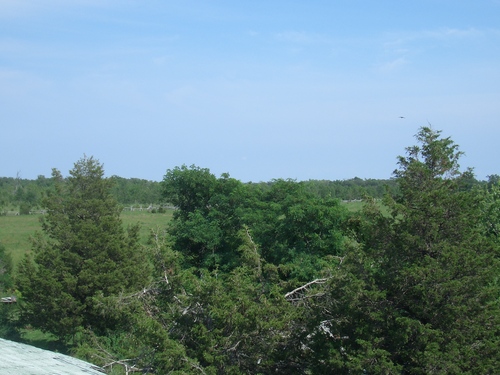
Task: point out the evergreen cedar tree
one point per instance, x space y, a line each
256 279
5 270
83 257
7 310
419 295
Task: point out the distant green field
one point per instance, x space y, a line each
146 220
353 206
15 231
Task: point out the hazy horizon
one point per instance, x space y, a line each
260 90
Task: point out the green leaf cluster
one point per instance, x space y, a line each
293 228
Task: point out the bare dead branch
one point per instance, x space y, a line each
257 256
111 360
195 366
294 295
234 347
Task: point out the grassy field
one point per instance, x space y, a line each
146 220
353 206
15 231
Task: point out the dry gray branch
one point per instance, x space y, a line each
295 295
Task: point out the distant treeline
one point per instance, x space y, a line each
354 188
24 195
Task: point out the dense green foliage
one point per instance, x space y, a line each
294 228
419 295
8 312
5 270
83 258
276 278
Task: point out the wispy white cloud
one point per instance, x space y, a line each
400 49
404 38
447 33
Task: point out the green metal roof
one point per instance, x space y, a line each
21 359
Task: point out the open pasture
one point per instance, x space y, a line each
15 231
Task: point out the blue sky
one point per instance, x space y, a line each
258 89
